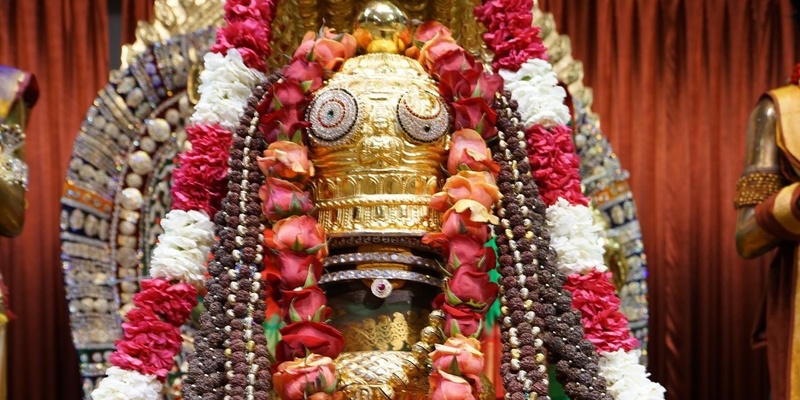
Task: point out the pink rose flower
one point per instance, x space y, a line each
294 268
298 234
466 185
445 386
347 40
468 151
471 287
302 377
287 160
283 199
455 61
307 304
465 251
459 319
474 113
301 338
462 351
330 51
308 74
428 30
435 48
284 124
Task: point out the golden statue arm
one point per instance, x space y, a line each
12 192
762 156
12 208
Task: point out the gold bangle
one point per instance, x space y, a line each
753 188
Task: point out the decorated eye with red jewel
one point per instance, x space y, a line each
423 116
334 115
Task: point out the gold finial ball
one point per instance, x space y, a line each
382 28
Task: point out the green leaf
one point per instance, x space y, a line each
297 137
479 125
449 296
282 136
293 315
456 262
310 281
478 331
454 329
315 249
272 332
454 369
318 315
297 246
306 85
477 92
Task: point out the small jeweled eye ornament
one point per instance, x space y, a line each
333 115
423 116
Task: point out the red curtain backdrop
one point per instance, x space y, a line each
674 82
134 11
63 42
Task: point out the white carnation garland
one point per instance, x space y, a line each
121 384
626 379
183 248
573 231
225 85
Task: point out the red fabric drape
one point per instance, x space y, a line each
63 42
674 83
134 11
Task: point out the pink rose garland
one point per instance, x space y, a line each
152 333
509 34
201 181
603 323
297 240
247 30
555 164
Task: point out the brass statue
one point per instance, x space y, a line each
18 94
376 181
768 212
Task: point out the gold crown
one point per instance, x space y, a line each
378 140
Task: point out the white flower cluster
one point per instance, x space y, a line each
626 379
127 385
575 237
535 88
225 85
183 248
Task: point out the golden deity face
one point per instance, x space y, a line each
378 138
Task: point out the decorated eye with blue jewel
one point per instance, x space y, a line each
333 114
423 116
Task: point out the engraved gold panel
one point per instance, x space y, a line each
378 179
386 333
381 375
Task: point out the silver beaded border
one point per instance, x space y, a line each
359 274
333 137
413 124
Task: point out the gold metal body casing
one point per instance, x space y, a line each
379 180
